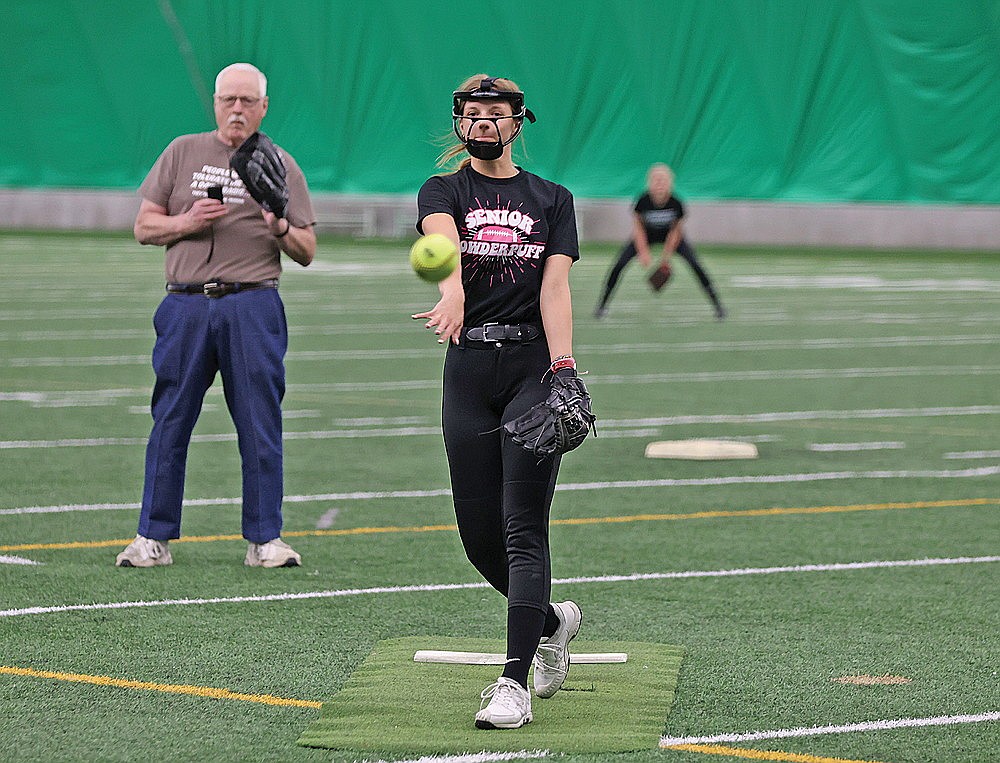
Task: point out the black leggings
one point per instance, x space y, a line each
684 249
502 493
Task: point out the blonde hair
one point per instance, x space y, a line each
261 79
453 147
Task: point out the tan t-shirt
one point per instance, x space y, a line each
244 249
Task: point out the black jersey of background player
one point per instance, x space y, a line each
506 227
658 221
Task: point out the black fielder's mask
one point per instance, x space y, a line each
488 91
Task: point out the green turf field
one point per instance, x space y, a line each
862 542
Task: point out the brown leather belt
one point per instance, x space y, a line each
216 289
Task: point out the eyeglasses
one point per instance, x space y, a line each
246 101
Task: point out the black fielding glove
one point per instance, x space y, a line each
559 424
261 167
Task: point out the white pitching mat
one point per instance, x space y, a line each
485 658
701 450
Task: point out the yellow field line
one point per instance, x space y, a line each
778 511
772 512
194 691
770 755
268 699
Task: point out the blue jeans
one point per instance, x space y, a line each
244 336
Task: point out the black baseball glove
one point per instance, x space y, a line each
261 167
560 423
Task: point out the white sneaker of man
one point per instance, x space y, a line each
274 553
144 552
552 656
509 706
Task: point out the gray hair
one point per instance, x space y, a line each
261 79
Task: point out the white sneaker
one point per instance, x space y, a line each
274 553
552 656
144 552
509 707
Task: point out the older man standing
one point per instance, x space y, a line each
222 312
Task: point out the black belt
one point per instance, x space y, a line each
497 332
217 289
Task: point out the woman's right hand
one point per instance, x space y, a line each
644 259
447 316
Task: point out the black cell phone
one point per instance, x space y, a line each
214 192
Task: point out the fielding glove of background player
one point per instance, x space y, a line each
259 164
659 277
560 423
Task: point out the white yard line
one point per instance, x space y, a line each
72 398
431 587
143 305
793 373
758 479
758 317
17 560
902 723
141 312
820 343
832 415
836 447
623 434
974 454
402 328
874 283
328 434
771 479
752 345
474 757
663 421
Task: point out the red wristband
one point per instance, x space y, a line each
565 361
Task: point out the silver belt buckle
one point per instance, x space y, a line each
486 332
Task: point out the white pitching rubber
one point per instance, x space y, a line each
485 658
701 450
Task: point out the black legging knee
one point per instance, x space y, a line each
616 271
502 493
628 253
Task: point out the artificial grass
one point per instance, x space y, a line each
760 650
396 706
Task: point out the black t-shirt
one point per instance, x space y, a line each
507 228
658 221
